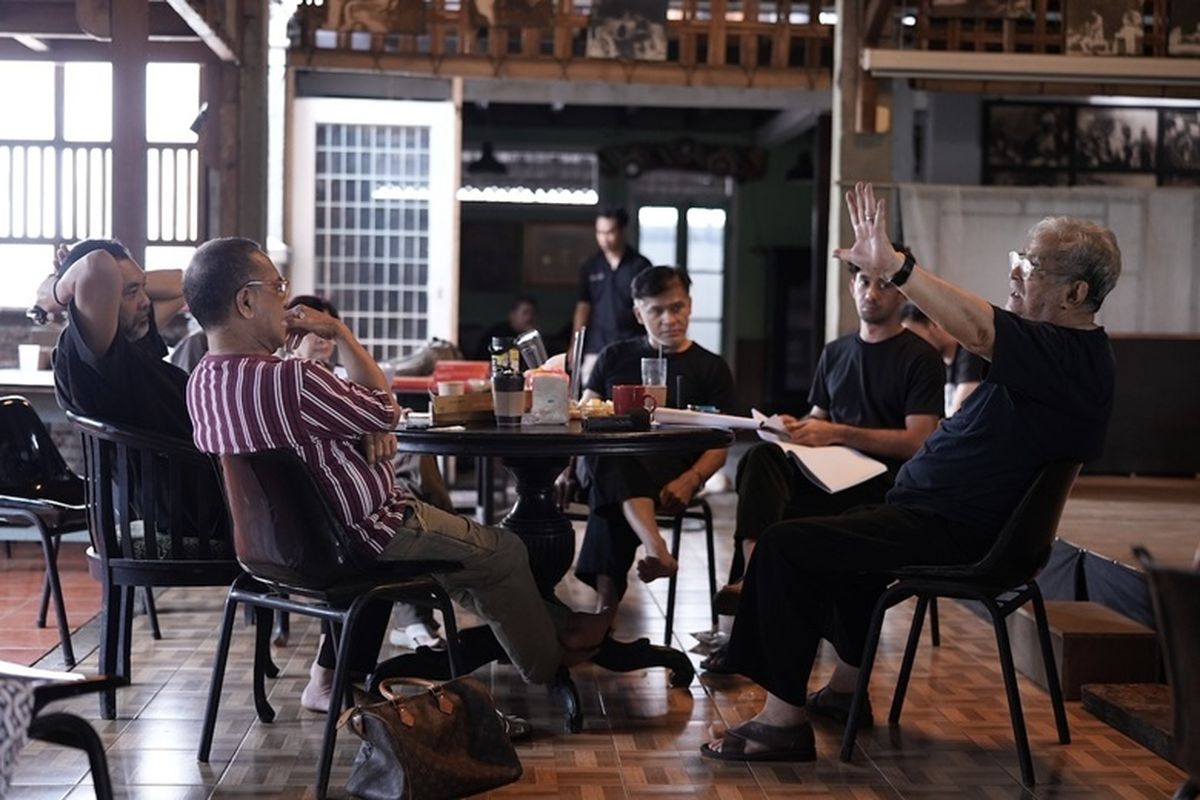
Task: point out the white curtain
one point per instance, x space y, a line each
964 233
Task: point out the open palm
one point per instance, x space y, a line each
872 251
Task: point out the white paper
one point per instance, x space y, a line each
833 469
703 419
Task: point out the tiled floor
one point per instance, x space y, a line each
640 739
21 590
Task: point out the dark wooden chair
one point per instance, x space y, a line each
1002 581
298 558
698 509
1176 596
157 518
38 489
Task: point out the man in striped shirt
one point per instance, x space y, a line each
243 399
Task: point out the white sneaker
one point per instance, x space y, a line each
416 635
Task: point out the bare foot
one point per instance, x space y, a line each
585 632
651 568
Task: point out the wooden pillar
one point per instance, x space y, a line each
252 121
856 157
130 36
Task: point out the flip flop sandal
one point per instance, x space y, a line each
717 662
782 744
836 706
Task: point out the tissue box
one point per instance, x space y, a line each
549 406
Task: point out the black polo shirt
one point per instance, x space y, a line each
129 384
609 292
1047 397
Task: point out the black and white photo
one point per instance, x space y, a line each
1104 27
629 30
1183 36
982 9
1116 138
1181 140
1028 136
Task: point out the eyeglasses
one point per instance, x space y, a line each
1026 265
280 287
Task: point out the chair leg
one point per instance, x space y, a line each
1055 689
935 629
262 658
110 641
673 581
341 683
450 627
50 556
283 629
151 612
1014 695
910 654
712 561
864 678
218 679
72 731
52 587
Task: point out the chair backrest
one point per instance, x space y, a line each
284 530
1023 546
1176 596
28 456
167 484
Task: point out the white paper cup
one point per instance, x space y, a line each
29 356
448 388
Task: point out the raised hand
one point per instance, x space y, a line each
872 251
302 319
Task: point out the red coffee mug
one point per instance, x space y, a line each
626 397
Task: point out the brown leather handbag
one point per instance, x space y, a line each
444 742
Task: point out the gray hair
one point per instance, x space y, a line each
1083 250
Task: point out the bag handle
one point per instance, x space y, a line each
445 705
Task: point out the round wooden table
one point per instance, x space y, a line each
536 455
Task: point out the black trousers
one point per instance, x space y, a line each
771 488
819 578
609 543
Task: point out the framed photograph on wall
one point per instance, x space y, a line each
1104 27
1109 137
982 9
511 13
1028 136
1183 35
1180 140
554 252
628 30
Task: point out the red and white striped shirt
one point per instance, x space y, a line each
248 403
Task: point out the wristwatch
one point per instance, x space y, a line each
901 275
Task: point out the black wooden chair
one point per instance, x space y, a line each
38 489
1176 596
157 518
698 509
1002 581
63 728
298 558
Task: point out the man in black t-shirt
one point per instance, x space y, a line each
605 300
1047 398
878 390
108 363
626 492
964 369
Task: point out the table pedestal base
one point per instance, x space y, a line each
538 521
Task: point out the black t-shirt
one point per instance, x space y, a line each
128 385
965 367
878 384
1047 397
703 376
609 293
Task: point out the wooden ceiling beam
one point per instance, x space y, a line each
65 50
54 20
205 29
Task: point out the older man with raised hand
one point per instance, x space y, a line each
1047 397
244 399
